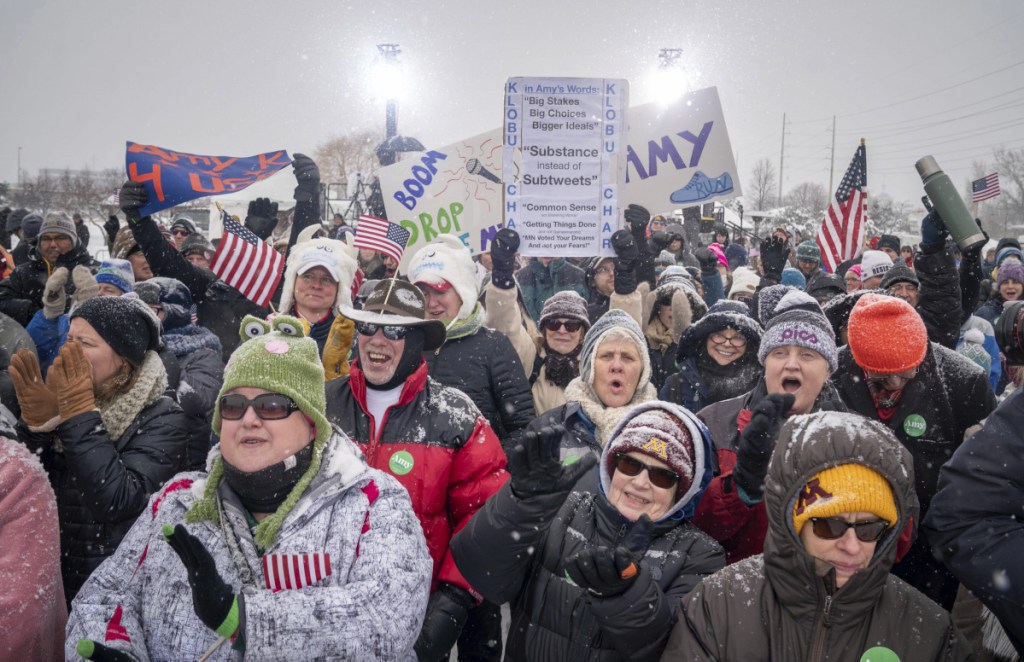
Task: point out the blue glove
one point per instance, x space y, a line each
933 230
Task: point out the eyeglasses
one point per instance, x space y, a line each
833 528
604 270
572 326
178 232
630 466
390 332
738 340
887 380
269 406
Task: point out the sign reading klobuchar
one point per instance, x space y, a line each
562 166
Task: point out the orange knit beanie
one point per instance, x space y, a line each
886 335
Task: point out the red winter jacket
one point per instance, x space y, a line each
438 446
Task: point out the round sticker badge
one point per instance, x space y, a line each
879 654
400 463
914 425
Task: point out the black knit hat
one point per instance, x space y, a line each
126 324
889 241
899 274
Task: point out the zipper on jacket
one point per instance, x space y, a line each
821 626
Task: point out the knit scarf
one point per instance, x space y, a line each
605 418
659 336
119 411
466 326
560 369
729 380
885 401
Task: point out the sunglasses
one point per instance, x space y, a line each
833 528
572 326
390 332
269 406
180 233
630 466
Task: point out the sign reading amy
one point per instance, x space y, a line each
562 167
679 155
172 178
450 190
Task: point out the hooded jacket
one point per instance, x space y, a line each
355 520
782 606
539 283
514 550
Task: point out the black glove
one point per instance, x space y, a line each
94 650
133 197
658 242
535 467
212 598
607 572
637 217
111 227
503 258
307 174
628 255
757 441
708 261
933 230
261 217
447 612
774 253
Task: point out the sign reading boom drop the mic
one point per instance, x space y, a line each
561 166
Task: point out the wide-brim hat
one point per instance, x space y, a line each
396 302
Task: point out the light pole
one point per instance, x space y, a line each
389 53
19 167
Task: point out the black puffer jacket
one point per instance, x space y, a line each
949 394
514 551
940 303
485 366
21 293
103 485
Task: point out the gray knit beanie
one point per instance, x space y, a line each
566 304
619 323
799 321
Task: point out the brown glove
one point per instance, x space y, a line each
38 403
70 377
54 298
86 286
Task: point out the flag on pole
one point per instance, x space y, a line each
842 231
377 234
246 263
985 188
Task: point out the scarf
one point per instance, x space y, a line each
659 336
466 326
605 418
264 490
727 381
885 401
119 411
560 369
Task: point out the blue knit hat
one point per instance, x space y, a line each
118 273
793 278
808 250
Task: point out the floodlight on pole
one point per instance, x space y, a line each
387 79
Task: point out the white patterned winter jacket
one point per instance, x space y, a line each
347 577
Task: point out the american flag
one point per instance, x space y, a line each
292 571
985 188
842 230
377 234
247 264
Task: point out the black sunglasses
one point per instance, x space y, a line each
833 528
269 406
630 466
390 332
572 326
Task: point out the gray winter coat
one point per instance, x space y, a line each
777 606
369 606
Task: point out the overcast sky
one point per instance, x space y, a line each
78 79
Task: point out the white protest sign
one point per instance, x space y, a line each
451 190
679 155
562 164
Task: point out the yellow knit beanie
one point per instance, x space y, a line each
848 488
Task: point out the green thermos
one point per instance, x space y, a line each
943 195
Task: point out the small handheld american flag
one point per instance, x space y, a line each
985 188
246 263
377 234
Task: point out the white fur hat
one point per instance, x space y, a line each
447 262
330 254
744 281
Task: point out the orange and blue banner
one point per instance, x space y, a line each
173 177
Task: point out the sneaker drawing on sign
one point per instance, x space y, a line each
702 187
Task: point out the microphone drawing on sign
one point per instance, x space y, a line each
474 167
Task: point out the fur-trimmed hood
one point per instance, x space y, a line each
328 250
684 302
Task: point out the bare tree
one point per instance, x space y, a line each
887 216
763 184
342 156
809 196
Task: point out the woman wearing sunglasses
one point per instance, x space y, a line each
717 358
291 547
596 574
839 493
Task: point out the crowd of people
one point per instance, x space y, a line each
710 450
